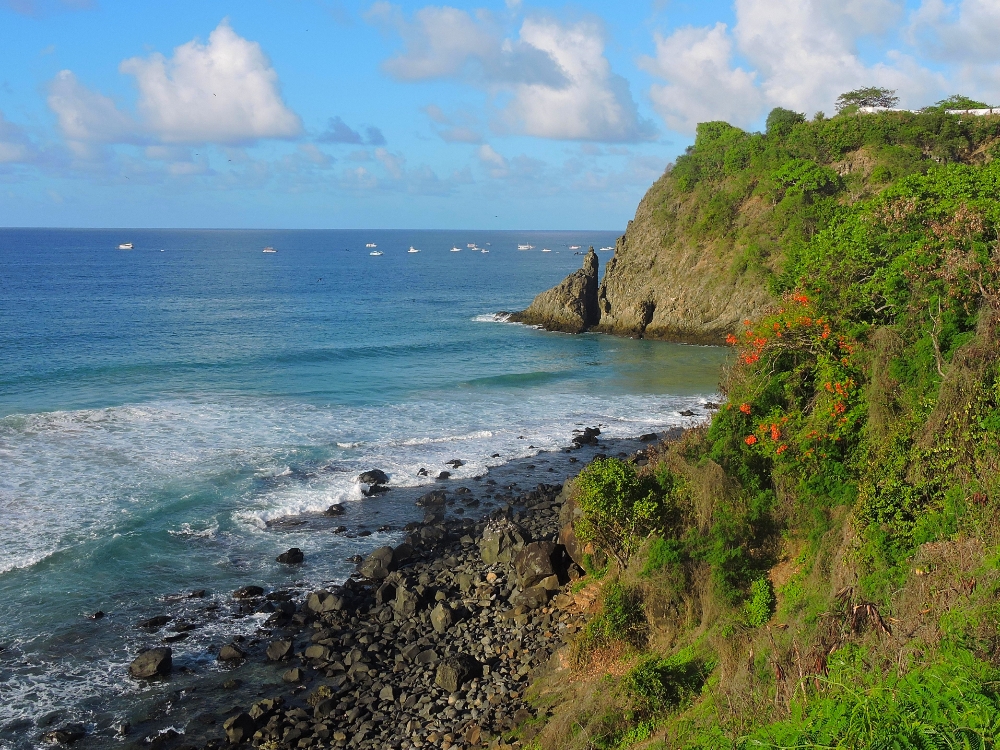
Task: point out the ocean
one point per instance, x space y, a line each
172 415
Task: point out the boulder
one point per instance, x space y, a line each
324 601
337 509
538 561
153 623
231 652
441 617
587 437
443 475
501 539
374 477
571 306
293 675
409 600
248 592
239 728
156 662
531 598
432 498
66 735
278 650
293 556
455 671
379 564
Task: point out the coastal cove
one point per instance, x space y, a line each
198 409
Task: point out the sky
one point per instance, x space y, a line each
509 114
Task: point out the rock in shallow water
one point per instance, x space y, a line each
156 662
66 735
293 556
374 477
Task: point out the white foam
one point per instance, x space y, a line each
492 318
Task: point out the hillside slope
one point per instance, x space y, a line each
712 233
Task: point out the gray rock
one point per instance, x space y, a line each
455 671
239 728
153 623
374 477
231 652
293 675
387 694
378 565
278 650
324 601
248 592
442 617
66 735
501 539
156 662
537 561
337 509
572 306
432 498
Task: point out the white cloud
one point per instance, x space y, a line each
560 83
964 31
494 163
595 104
393 163
224 91
701 84
86 116
802 54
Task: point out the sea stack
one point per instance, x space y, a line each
571 306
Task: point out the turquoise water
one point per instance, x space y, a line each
160 407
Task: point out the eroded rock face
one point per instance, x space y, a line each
571 306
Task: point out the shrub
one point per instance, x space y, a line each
663 553
781 121
620 508
621 619
760 606
659 684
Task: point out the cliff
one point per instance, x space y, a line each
711 238
571 306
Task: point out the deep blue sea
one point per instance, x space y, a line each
161 407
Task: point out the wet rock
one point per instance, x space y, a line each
432 498
156 662
337 509
98 615
648 437
66 735
231 652
374 477
422 472
154 623
278 650
443 475
587 437
379 564
686 413
293 675
248 592
455 463
571 306
455 671
293 556
239 728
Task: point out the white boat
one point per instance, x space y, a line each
412 249
471 246
525 247
484 250
125 246
456 249
604 249
269 249
375 252
546 250
574 247
371 244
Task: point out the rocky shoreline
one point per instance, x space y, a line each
431 643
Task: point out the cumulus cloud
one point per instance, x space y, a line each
337 131
494 163
802 54
559 83
964 31
222 92
695 61
464 130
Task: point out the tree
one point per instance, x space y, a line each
781 121
871 96
956 101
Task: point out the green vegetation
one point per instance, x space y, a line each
829 546
870 96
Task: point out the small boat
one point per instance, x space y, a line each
456 249
546 250
375 252
125 246
574 247
471 246
525 247
412 249
371 244
604 249
269 249
484 250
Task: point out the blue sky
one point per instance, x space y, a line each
506 114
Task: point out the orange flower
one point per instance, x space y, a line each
745 408
731 340
750 439
781 449
775 432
